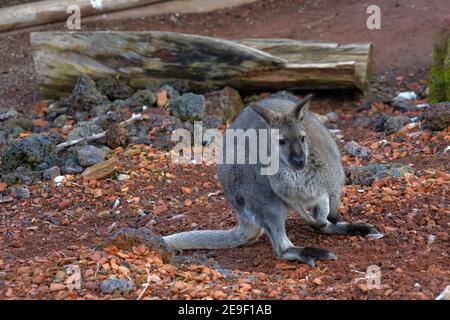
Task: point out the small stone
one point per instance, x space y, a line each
171 92
403 105
141 213
59 276
114 88
116 136
10 114
52 173
161 99
90 155
317 281
363 288
103 169
60 121
89 273
22 193
71 168
188 107
409 95
141 98
112 285
123 177
57 287
226 103
212 122
430 239
436 117
356 150
84 129
64 204
219 295
332 116
394 124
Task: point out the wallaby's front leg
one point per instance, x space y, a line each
321 213
274 225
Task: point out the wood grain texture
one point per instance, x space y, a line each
201 63
303 52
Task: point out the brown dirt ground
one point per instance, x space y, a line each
410 267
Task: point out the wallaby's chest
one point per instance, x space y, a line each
304 187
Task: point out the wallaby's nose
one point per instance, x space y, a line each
298 161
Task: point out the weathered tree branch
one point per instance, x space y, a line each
64 145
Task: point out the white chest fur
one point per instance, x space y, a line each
298 186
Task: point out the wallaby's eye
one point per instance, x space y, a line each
302 139
282 142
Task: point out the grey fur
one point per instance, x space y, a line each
310 176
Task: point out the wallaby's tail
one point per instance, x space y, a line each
213 239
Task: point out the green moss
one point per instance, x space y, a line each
440 70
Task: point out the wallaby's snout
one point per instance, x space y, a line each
294 152
298 161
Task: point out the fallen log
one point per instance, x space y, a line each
303 52
201 63
42 12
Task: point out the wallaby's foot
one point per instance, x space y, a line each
307 255
353 229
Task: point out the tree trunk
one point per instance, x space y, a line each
439 82
200 63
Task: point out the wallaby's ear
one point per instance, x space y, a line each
267 114
301 109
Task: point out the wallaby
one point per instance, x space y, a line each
310 176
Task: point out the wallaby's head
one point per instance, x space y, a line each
293 142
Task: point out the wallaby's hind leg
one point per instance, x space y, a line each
273 221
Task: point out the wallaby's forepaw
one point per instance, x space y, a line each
308 255
364 229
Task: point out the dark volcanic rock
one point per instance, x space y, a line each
84 129
188 107
171 92
112 285
225 103
85 94
51 173
10 114
31 152
436 117
393 124
365 175
139 99
114 88
21 175
22 193
116 136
